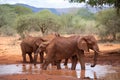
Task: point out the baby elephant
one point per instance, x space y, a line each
29 45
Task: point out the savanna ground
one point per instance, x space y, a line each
10 53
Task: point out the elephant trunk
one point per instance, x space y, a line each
96 52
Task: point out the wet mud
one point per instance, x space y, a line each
98 72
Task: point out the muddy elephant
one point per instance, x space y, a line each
29 45
86 43
47 38
62 48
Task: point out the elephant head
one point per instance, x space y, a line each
38 42
42 45
89 42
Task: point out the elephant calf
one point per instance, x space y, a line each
29 45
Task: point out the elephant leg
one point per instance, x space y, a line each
45 64
41 57
66 61
35 58
58 64
80 57
30 56
24 57
54 63
74 62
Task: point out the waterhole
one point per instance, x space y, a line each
98 71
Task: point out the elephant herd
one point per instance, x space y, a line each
59 48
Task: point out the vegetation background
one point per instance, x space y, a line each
16 19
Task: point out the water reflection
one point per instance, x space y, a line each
31 69
90 73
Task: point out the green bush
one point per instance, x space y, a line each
7 31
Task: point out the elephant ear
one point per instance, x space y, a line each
39 41
82 44
44 44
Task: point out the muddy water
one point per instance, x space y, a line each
99 71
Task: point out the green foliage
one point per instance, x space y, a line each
43 21
66 20
7 30
97 2
100 3
8 15
85 14
22 19
48 21
20 10
111 23
82 22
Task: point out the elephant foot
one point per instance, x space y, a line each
44 68
65 64
58 67
82 68
41 62
34 64
93 65
72 68
24 61
31 61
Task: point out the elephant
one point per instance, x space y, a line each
81 44
29 45
86 43
61 48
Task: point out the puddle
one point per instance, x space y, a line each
98 71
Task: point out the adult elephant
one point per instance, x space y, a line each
30 45
86 43
63 47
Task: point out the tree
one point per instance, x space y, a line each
66 22
21 10
78 22
47 21
110 23
7 18
116 3
85 14
41 21
8 15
